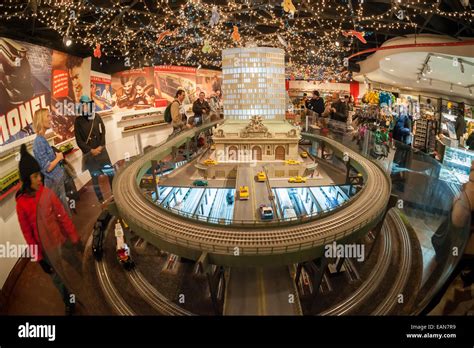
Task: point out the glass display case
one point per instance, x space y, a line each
457 163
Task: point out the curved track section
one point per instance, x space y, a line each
401 280
392 228
240 245
153 297
112 296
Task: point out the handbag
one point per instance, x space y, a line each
86 155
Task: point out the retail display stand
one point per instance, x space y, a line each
425 135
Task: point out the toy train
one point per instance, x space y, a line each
147 182
9 181
98 234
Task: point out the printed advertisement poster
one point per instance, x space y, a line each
169 78
101 91
209 82
25 75
69 82
133 89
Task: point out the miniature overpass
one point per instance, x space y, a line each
240 244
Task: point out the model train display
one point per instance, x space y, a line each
9 181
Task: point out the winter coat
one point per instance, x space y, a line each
316 105
341 112
51 220
82 128
199 108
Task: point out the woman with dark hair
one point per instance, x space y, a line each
32 200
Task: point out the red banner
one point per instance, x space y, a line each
60 84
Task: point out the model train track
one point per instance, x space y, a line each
403 274
365 291
156 223
392 227
153 297
112 296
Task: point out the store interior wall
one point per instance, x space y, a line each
117 145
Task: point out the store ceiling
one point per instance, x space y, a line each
312 36
403 71
409 65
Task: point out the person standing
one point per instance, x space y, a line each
460 127
316 104
201 109
50 162
89 130
216 105
338 108
59 226
178 118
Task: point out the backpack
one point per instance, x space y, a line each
167 114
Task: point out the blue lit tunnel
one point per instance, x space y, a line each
217 204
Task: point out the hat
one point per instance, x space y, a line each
28 164
85 99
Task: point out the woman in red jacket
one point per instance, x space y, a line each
43 220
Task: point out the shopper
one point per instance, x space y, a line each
338 108
50 162
470 141
324 120
177 116
349 102
59 227
216 105
316 104
90 137
460 127
201 109
402 128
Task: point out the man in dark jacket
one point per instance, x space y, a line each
316 104
90 137
460 126
338 109
201 108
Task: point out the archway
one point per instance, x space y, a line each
280 153
257 153
233 153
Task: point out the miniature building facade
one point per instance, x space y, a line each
254 108
254 83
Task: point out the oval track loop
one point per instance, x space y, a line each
156 223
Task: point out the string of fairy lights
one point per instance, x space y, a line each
194 32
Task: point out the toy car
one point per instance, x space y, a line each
243 192
297 179
200 182
229 197
266 212
304 154
261 176
292 162
210 162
